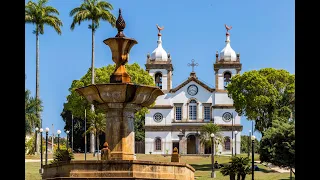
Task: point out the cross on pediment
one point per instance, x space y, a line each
193 64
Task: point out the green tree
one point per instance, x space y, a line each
263 95
205 135
76 104
277 146
245 140
31 107
40 14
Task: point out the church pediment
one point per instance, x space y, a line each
190 79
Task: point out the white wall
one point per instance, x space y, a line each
217 115
167 117
165 141
238 140
222 98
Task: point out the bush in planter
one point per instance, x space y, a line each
62 155
239 166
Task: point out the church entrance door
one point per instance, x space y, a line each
191 144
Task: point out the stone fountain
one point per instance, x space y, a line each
120 99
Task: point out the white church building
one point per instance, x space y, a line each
178 115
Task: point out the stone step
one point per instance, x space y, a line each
116 174
95 178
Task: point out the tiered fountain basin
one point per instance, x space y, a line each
118 169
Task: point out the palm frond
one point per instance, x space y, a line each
104 5
93 10
40 14
53 22
50 9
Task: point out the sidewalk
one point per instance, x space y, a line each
275 168
36 160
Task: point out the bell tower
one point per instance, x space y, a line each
227 65
159 65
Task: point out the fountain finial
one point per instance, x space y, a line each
120 25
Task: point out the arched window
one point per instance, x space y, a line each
193 110
158 144
158 80
227 143
226 79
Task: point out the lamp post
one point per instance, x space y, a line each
35 141
249 143
253 138
67 139
72 133
41 159
213 174
47 132
235 143
58 132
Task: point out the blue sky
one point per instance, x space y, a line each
263 34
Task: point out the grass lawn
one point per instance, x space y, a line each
201 164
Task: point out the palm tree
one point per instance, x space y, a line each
206 131
39 14
239 166
98 125
31 107
94 11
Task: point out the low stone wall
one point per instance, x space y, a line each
115 169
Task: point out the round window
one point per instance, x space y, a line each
157 117
227 117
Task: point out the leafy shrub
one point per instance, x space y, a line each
238 166
62 155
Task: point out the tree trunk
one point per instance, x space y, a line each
238 176
232 176
97 136
37 75
92 139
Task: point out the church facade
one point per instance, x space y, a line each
178 115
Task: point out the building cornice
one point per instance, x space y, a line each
192 127
159 65
223 106
227 65
161 107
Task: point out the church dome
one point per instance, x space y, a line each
159 54
227 53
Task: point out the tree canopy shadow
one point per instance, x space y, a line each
202 167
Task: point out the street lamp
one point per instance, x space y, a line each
213 174
41 159
249 143
47 132
67 139
253 138
235 143
35 142
58 132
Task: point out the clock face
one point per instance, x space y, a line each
192 90
227 117
157 117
